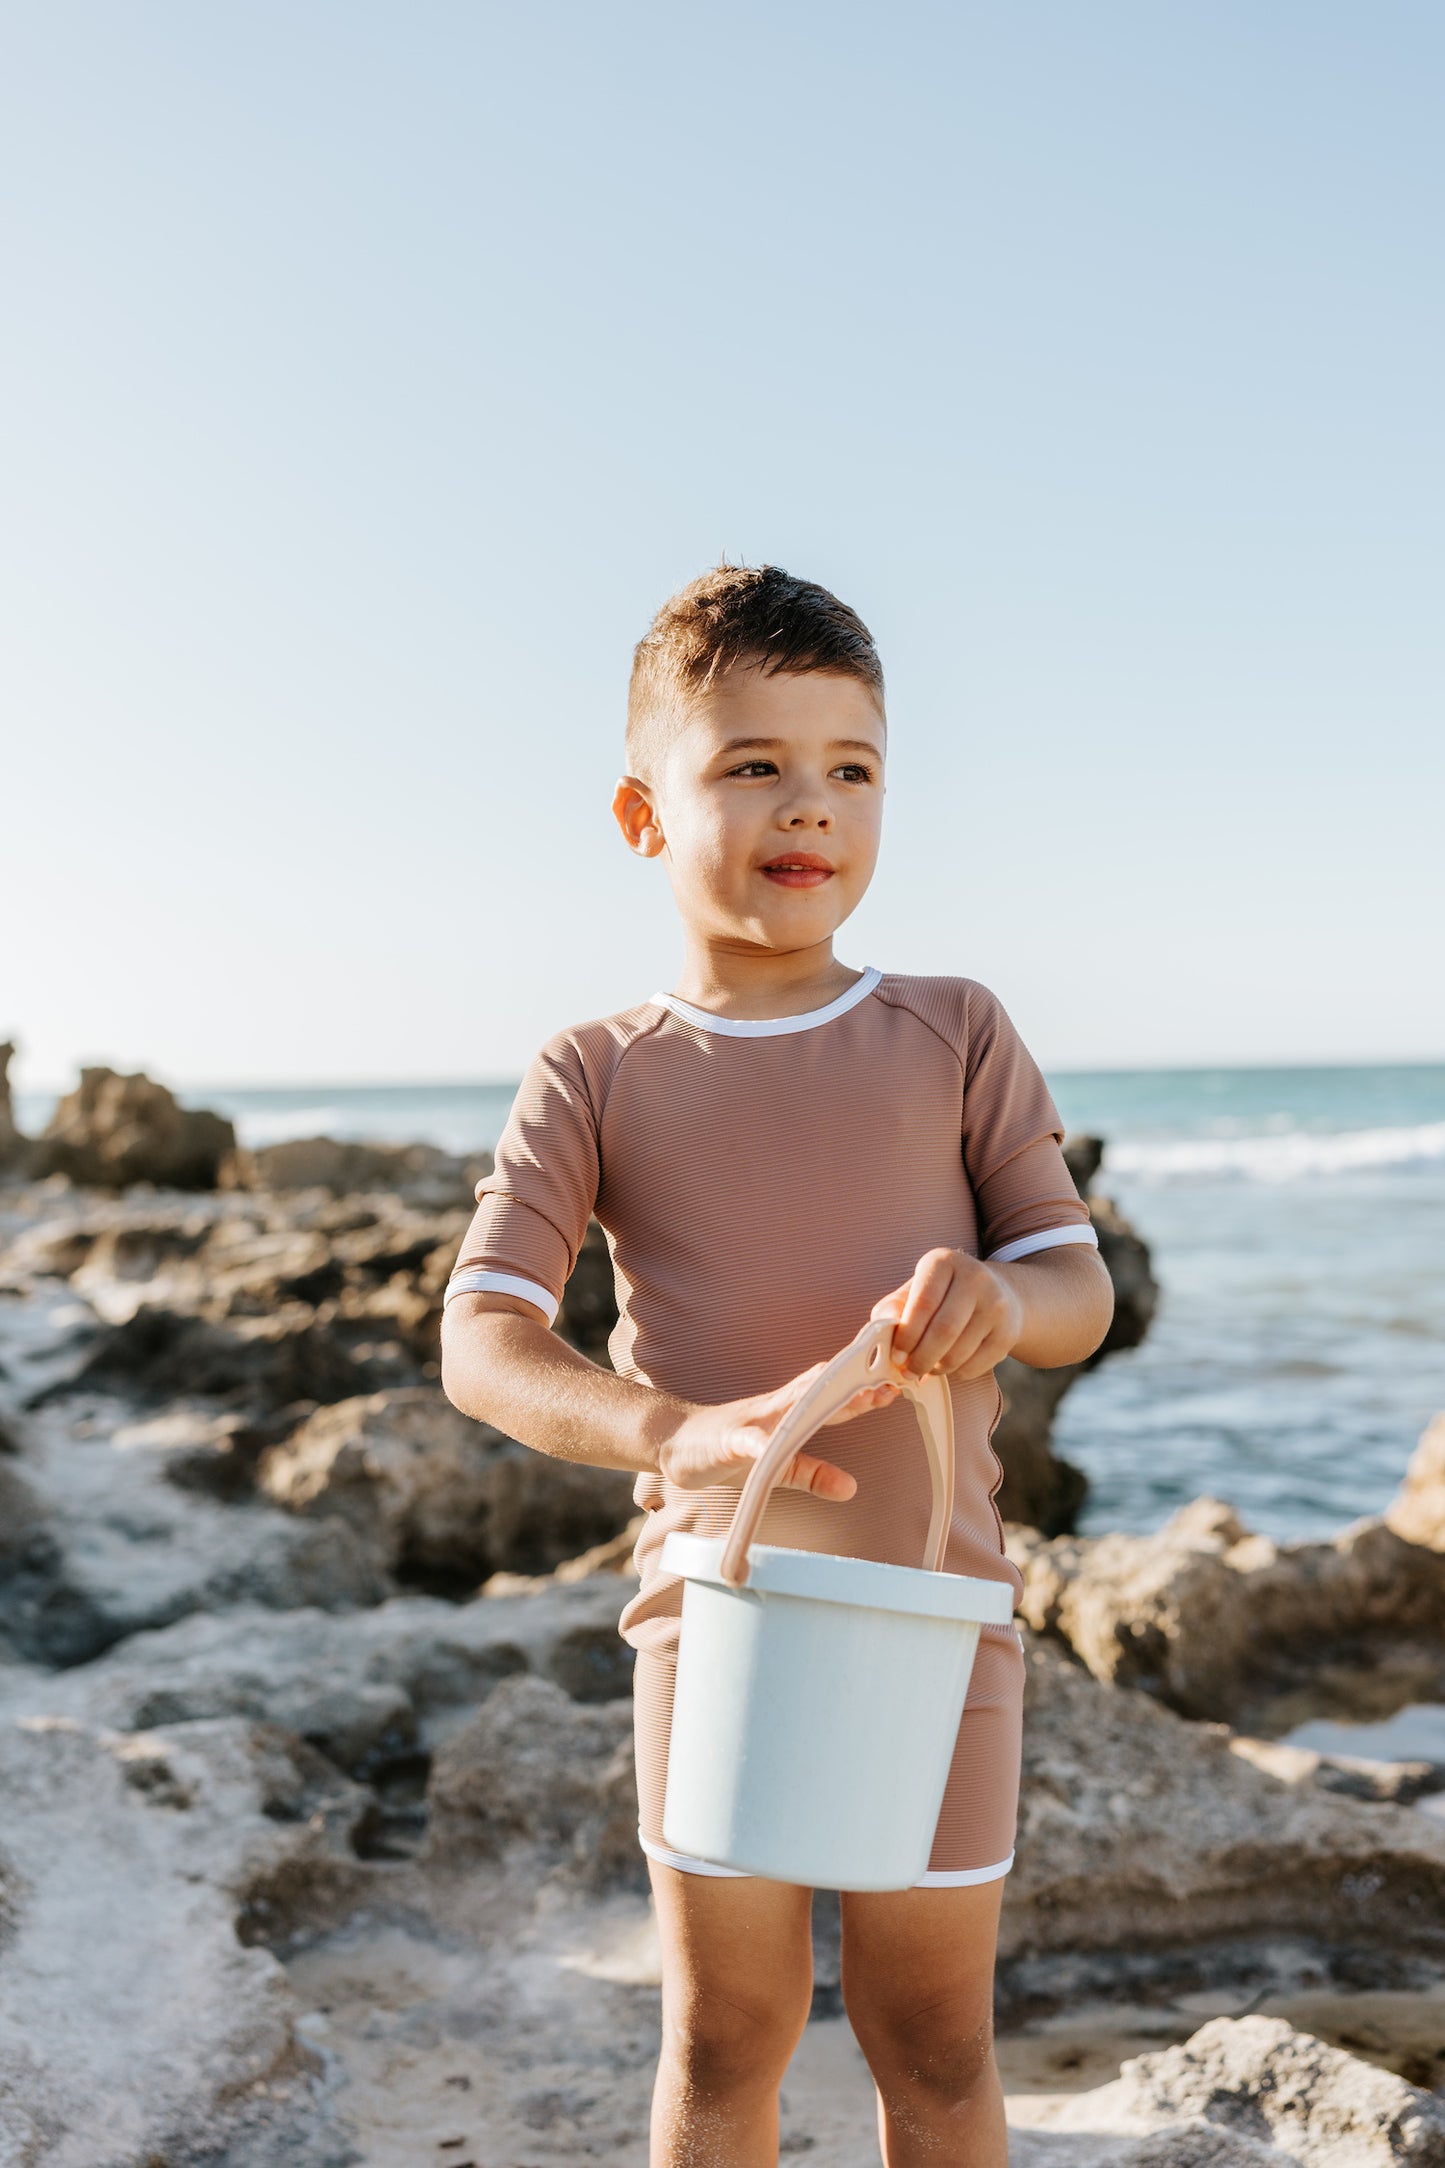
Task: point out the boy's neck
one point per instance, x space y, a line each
754 984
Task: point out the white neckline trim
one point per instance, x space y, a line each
771 1027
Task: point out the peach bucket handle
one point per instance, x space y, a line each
866 1360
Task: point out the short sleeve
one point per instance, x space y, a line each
533 1208
1012 1136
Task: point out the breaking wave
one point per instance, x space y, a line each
1290 1156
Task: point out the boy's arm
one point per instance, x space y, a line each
962 1316
501 1365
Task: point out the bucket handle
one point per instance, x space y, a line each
866 1360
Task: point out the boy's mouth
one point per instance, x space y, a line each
798 869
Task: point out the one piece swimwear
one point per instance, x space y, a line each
761 1184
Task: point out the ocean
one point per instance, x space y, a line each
1297 1221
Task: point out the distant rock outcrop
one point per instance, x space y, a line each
16 1152
113 1130
1039 1489
1418 1510
422 1174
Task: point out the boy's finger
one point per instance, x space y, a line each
820 1477
932 1278
953 1332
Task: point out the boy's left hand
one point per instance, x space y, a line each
955 1314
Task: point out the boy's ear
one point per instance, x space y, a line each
636 815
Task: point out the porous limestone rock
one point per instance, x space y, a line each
445 1500
1258 2079
1221 1623
136 2024
113 1130
1143 1836
1418 1510
96 1544
361 1686
534 1767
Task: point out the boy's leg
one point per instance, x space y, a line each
918 1989
737 1981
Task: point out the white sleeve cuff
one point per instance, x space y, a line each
1048 1238
477 1282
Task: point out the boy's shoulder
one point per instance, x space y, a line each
589 1053
957 1009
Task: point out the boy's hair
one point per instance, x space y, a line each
755 615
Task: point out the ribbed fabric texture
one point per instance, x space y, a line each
759 1195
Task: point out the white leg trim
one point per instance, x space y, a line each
686 1864
962 1877
931 1878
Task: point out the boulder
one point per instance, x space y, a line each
537 1769
16 1151
1295 2099
445 1501
1418 1510
422 1173
113 1130
1227 1625
1040 1489
268 1299
1149 1852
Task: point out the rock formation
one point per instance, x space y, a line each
301 1867
1418 1511
1040 1489
421 1173
1263 2092
113 1130
1223 1624
15 1150
444 1501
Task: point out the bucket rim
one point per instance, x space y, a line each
862 1583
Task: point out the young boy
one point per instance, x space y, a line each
777 1150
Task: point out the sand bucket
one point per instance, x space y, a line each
818 1698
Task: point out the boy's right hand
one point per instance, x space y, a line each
719 1445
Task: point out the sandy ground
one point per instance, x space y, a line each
536 2047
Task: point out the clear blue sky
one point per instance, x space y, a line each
371 372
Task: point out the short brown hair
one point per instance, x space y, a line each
755 615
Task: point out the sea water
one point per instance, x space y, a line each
1297 1222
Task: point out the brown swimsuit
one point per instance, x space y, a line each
761 1185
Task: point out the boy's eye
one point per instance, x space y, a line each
853 771
755 767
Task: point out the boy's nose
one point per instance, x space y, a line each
819 818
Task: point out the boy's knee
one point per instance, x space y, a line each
945 2049
718 2046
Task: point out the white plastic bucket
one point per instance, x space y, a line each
818 1698
816 1712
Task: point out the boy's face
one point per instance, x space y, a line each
768 808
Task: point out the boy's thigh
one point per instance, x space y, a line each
740 1942
911 1951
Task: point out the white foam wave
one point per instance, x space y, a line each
1290 1157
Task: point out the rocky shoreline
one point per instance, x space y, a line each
317 1819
